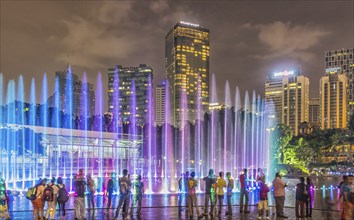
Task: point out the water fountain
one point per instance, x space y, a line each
42 140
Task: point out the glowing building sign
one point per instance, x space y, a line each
189 24
333 70
284 73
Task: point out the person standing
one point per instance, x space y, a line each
138 187
209 181
243 192
63 197
192 196
124 194
38 203
346 203
221 184
263 199
80 188
279 195
4 209
229 188
110 190
301 198
309 188
51 208
92 190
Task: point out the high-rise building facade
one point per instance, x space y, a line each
314 112
69 85
342 61
333 99
287 93
160 96
129 87
187 70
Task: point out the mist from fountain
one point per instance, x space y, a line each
228 139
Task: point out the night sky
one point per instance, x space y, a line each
248 39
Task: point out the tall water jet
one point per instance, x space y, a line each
2 168
21 121
183 151
56 122
253 126
116 115
198 133
150 135
244 139
237 131
132 119
84 114
212 127
10 139
99 124
168 159
68 111
32 138
227 128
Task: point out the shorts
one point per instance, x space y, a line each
4 212
263 205
38 203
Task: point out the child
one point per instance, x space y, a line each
263 199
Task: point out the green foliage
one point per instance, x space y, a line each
300 151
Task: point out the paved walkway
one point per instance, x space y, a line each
170 213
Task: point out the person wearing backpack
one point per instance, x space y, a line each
50 195
4 208
63 197
124 194
38 203
80 189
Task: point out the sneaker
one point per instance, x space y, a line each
259 217
205 214
247 211
200 216
267 218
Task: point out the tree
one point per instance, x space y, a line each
351 136
282 137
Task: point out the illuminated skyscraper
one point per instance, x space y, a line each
288 91
70 84
187 69
314 112
121 91
160 104
333 99
342 61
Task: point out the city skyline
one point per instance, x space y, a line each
296 36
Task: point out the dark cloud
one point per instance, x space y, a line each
248 39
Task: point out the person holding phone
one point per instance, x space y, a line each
279 195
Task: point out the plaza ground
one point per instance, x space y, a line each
172 212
